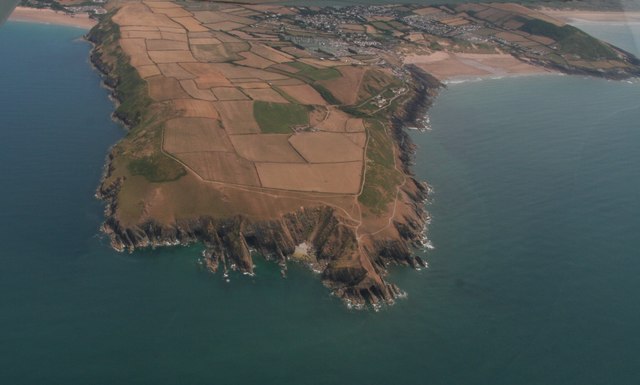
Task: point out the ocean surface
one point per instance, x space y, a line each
533 279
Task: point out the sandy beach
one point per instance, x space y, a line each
48 16
448 66
568 15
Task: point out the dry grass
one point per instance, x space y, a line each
162 57
337 178
174 70
304 94
237 117
222 167
265 148
229 93
325 147
346 88
162 89
183 135
192 89
253 60
265 95
196 108
166 45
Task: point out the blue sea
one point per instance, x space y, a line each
533 279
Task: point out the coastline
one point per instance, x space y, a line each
48 16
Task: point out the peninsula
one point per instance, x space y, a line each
279 131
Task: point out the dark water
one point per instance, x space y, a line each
533 279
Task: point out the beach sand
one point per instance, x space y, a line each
450 66
48 16
568 15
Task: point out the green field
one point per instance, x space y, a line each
279 118
571 40
314 73
381 178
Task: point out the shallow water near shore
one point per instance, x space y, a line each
533 279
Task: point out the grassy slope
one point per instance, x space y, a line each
571 40
382 178
141 149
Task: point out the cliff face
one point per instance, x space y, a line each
354 268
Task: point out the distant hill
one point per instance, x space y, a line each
6 7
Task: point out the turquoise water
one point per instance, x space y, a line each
533 279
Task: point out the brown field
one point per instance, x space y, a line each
162 88
286 68
346 87
224 26
352 27
237 117
140 15
219 53
325 147
335 121
287 82
191 24
161 4
511 37
228 93
200 35
216 134
141 34
179 29
236 72
208 75
358 138
355 125
203 40
274 148
210 16
222 167
296 52
195 135
166 45
161 57
225 37
192 89
337 178
270 53
304 94
196 108
148 71
173 12
541 39
174 36
253 60
252 84
265 95
242 35
174 70
126 28
137 51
